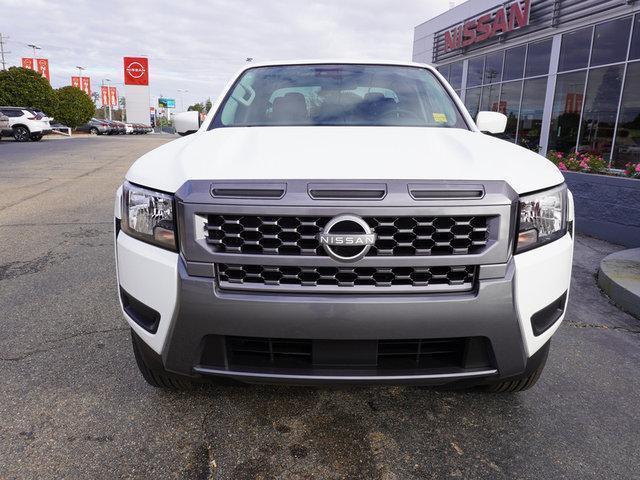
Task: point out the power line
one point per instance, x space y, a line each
2 51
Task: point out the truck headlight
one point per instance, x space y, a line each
542 218
148 216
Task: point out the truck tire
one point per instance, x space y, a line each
151 368
21 134
526 381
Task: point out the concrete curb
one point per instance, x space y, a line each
619 277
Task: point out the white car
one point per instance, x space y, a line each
343 222
26 124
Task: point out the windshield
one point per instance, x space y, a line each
366 95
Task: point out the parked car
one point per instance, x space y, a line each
26 124
95 127
347 223
119 128
4 125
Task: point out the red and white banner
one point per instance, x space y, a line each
86 85
43 67
136 71
113 96
27 63
75 82
104 95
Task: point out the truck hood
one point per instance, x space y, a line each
337 153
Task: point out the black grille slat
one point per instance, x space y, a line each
346 277
396 236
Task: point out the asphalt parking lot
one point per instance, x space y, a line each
73 404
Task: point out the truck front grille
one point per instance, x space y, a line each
396 236
446 279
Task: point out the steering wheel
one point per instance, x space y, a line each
400 112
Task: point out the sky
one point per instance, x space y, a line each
198 45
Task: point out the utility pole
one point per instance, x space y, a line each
182 92
2 51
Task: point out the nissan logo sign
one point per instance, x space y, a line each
347 238
135 70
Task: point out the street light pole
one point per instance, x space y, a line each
34 47
182 92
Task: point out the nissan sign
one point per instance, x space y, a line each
505 18
136 71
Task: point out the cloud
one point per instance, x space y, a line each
198 45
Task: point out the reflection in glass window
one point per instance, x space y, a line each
634 52
444 71
538 57
531 109
493 67
472 101
610 41
600 106
628 137
455 75
489 98
574 52
475 71
565 117
510 106
514 63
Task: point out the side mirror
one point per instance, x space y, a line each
186 123
491 122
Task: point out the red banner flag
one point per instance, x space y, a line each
75 82
86 85
136 71
43 67
104 94
113 95
27 63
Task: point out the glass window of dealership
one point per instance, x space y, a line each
572 89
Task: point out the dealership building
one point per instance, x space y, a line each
565 72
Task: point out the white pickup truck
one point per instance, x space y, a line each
343 222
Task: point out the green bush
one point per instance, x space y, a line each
21 87
74 107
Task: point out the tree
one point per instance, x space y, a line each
21 87
198 107
74 107
207 105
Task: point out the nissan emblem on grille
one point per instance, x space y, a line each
347 238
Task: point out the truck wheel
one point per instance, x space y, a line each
525 382
152 370
21 134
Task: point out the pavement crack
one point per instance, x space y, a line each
25 355
601 327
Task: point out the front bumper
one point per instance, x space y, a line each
193 308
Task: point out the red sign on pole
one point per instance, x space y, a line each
136 71
27 63
86 85
43 67
75 82
113 96
104 94
505 18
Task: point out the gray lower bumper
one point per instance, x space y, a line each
205 310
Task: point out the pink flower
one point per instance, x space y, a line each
562 166
637 167
559 155
584 164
